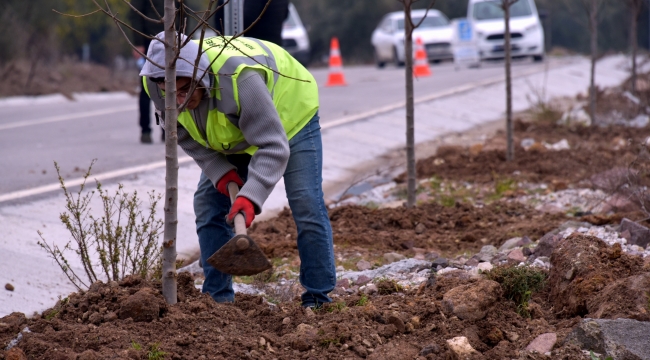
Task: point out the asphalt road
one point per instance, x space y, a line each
73 133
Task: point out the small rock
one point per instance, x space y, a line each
460 347
527 143
473 262
516 255
367 343
619 339
9 287
472 301
639 234
286 321
524 241
95 318
306 329
512 336
495 336
15 354
343 283
397 322
558 146
363 265
362 280
510 244
262 342
431 255
486 266
309 313
420 228
430 349
415 320
409 328
570 274
441 261
543 343
487 253
550 240
527 252
393 257
360 350
459 262
370 289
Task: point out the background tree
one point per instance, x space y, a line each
409 26
505 6
635 10
591 8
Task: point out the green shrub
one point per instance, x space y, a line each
122 240
518 283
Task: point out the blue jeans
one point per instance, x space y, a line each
303 182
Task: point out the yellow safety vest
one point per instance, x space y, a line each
295 100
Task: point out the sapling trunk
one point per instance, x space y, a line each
169 285
593 29
510 152
410 107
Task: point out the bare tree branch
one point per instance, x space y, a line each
76 16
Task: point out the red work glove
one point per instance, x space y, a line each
242 205
231 176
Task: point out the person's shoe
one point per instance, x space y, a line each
145 138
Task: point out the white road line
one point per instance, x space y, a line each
103 176
438 95
185 159
60 118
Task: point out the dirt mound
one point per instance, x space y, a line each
429 226
583 267
198 328
593 150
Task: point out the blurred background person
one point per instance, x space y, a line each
142 43
269 26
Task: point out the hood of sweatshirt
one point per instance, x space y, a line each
184 64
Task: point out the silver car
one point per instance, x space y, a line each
435 32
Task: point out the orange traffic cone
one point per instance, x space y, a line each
421 68
336 77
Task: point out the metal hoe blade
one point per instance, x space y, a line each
240 256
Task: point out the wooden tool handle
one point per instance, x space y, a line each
240 220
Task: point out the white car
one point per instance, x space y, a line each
294 37
527 33
435 32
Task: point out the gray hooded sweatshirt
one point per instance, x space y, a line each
258 120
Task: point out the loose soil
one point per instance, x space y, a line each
396 326
445 230
130 319
593 150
